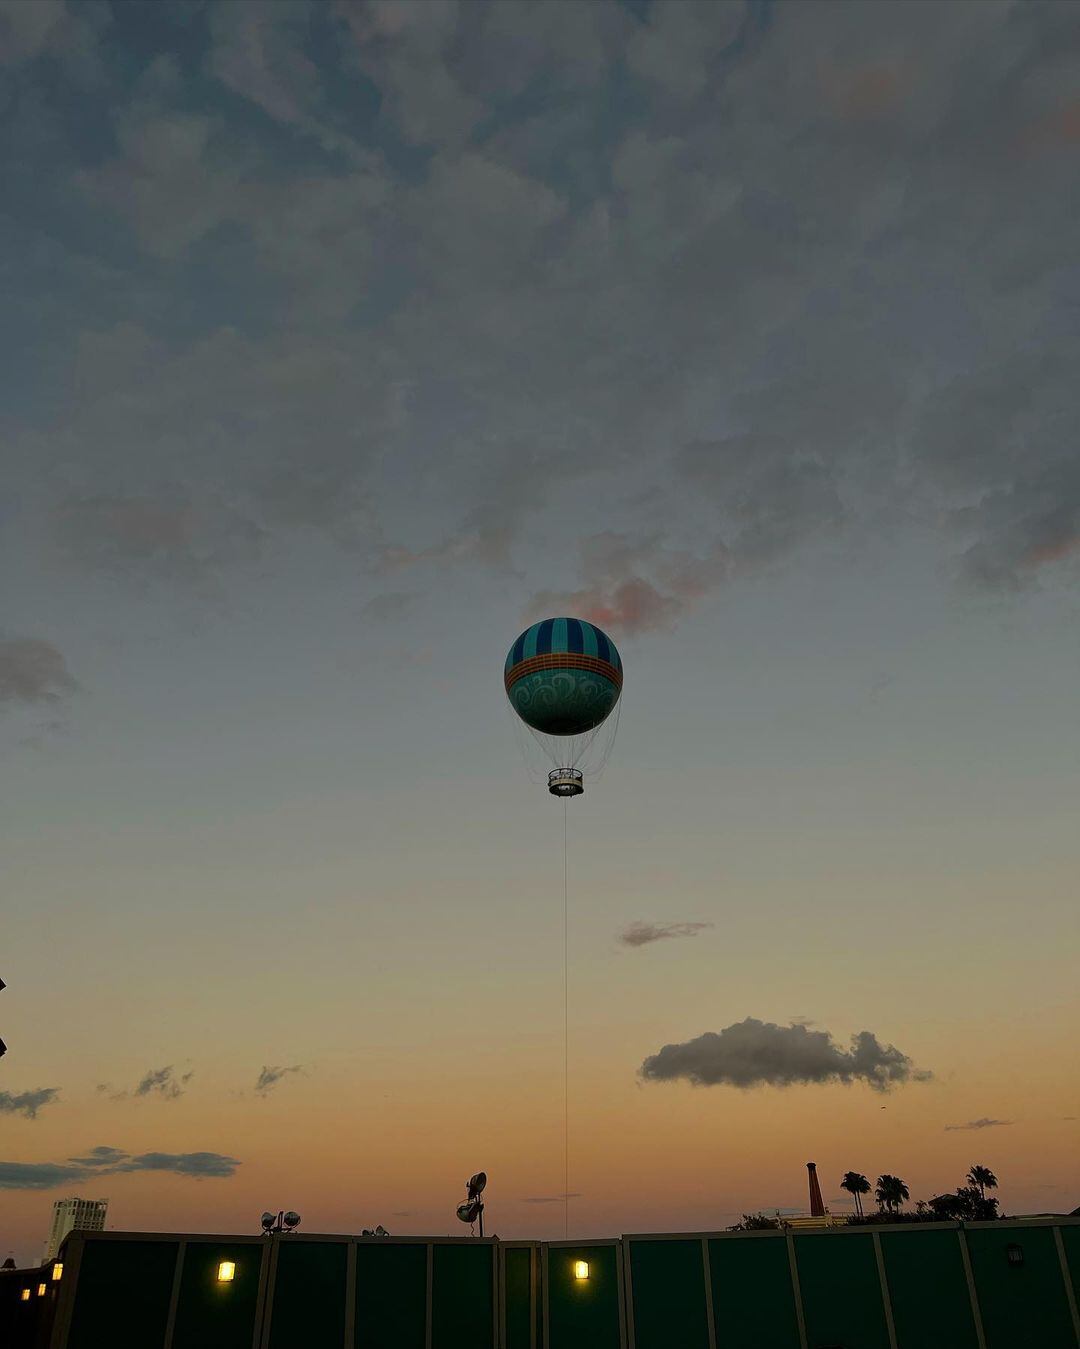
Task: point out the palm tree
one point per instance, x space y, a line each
856 1185
891 1192
983 1179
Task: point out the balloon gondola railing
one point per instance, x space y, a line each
565 782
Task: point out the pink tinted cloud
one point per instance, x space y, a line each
634 586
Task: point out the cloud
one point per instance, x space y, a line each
25 29
404 50
260 57
53 29
754 1053
983 1123
144 536
377 228
163 1082
39 1175
270 1077
198 1164
108 1161
100 1156
32 671
642 934
27 1103
674 49
390 605
635 585
552 1198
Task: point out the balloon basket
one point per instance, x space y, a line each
565 782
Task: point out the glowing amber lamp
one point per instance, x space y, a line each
24 1296
226 1271
581 1269
41 1290
57 1271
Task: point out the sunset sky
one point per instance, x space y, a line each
341 340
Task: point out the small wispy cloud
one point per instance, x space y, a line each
163 1082
983 1123
271 1076
27 1103
643 934
552 1198
390 605
32 671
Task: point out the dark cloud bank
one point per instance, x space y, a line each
778 271
108 1161
754 1053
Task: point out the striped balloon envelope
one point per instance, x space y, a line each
563 676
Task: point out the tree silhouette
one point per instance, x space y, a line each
856 1185
946 1207
890 1193
983 1179
755 1222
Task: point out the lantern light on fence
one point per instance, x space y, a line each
24 1296
1014 1254
41 1290
581 1269
226 1271
58 1271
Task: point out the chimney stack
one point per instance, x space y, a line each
817 1208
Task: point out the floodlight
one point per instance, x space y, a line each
476 1184
291 1219
381 1231
367 1232
468 1211
268 1220
226 1271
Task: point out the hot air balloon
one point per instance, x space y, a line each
563 677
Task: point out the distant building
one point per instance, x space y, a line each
86 1215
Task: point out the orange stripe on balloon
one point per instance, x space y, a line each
563 660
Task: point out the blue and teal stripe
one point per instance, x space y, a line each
555 635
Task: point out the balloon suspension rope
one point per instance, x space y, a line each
566 1039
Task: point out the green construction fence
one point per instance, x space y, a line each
1011 1284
